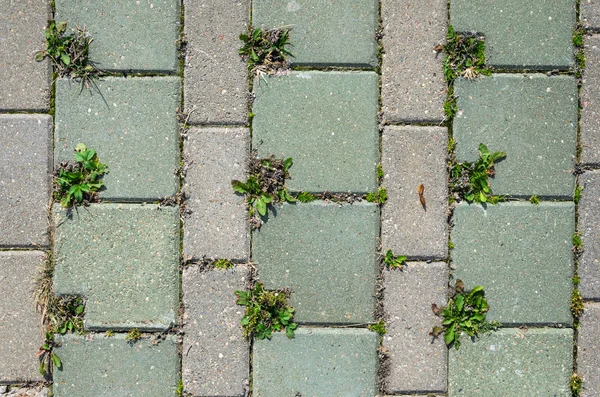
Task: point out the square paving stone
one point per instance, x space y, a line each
124 259
513 362
20 336
132 124
326 254
216 360
324 33
520 34
128 35
533 118
24 83
317 362
217 227
95 365
325 121
590 102
25 179
521 254
588 350
590 13
589 219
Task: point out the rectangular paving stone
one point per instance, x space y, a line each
331 33
533 118
520 34
124 259
317 362
20 336
95 365
216 79
215 354
590 111
325 121
588 346
521 254
589 218
326 254
413 88
412 156
132 124
417 363
24 83
590 13
217 227
513 362
25 179
130 36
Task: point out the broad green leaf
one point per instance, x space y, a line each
64 57
449 335
56 361
287 163
239 187
261 206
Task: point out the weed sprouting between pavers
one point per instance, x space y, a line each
133 335
378 197
392 261
265 51
576 383
578 42
378 327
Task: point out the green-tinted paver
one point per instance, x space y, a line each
533 118
124 259
317 362
521 254
333 32
326 254
101 366
520 34
513 362
325 121
132 124
128 35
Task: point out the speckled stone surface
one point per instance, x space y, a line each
216 355
521 254
588 346
413 86
513 362
326 254
533 118
218 224
131 35
17 391
412 156
417 363
324 33
25 164
99 366
317 362
520 34
589 218
590 102
216 78
132 124
24 83
590 13
325 121
124 259
20 336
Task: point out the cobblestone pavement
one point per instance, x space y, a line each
177 116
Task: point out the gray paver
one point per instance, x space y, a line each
216 359
16 391
520 34
24 83
325 121
216 79
317 362
335 32
132 124
513 362
589 218
413 86
416 363
24 179
133 35
588 346
590 112
101 366
20 335
412 156
124 258
590 13
326 254
521 254
218 225
536 127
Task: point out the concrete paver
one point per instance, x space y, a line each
589 217
590 13
588 346
590 112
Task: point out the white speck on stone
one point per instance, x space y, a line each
220 355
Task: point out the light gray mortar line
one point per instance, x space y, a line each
216 125
413 123
23 111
